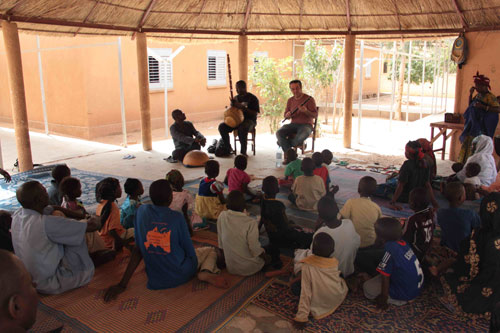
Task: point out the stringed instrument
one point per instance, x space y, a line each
233 117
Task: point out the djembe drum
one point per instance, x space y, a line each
195 158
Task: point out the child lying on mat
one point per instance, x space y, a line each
238 236
363 212
71 190
134 189
209 202
293 168
282 233
342 231
322 289
162 240
112 232
52 248
183 201
307 189
400 277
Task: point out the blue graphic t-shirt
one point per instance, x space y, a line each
456 225
163 239
403 268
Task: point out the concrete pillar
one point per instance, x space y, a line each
243 57
17 95
455 142
349 59
142 70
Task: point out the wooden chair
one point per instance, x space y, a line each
251 139
312 136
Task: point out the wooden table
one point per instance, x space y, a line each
443 128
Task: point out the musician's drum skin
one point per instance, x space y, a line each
233 117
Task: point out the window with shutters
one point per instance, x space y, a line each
160 69
216 68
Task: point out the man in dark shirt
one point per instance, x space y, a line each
185 136
249 104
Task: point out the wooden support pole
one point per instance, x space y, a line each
17 95
142 70
243 57
349 58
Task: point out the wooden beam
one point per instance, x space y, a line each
17 95
243 57
247 15
348 15
300 14
86 17
11 9
57 22
349 58
144 17
465 25
397 13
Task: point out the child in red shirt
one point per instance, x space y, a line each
320 169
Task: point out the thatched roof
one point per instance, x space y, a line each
259 19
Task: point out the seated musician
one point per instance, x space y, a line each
301 109
249 104
185 136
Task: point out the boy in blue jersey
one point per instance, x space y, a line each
401 277
162 239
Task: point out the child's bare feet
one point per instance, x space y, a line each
214 279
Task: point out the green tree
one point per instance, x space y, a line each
443 54
271 77
319 66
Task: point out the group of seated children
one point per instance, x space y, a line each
383 253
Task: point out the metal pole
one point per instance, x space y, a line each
293 58
165 94
423 81
433 105
442 83
394 54
360 93
42 87
409 84
446 89
379 75
122 94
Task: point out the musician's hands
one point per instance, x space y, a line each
287 115
236 104
303 109
471 91
203 142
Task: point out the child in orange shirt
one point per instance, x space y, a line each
112 232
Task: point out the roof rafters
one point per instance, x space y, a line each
144 17
348 15
11 9
247 15
300 14
86 17
465 25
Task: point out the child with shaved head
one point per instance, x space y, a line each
162 240
322 288
18 295
52 248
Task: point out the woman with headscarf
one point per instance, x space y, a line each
481 117
413 173
482 148
473 287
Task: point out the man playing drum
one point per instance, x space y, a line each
301 108
185 136
249 104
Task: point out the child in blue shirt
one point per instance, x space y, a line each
209 201
134 189
162 240
400 277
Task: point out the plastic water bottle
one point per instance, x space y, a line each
279 158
